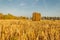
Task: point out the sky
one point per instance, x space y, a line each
27 7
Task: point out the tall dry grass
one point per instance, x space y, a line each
29 30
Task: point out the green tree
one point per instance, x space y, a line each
1 15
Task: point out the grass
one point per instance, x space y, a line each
29 30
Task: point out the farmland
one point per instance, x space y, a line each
29 30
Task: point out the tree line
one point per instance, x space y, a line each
10 16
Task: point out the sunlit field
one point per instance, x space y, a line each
29 30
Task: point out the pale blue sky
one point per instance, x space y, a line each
27 7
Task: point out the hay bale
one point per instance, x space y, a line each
36 16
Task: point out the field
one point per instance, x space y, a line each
29 30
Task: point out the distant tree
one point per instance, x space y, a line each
5 17
1 15
23 17
10 16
